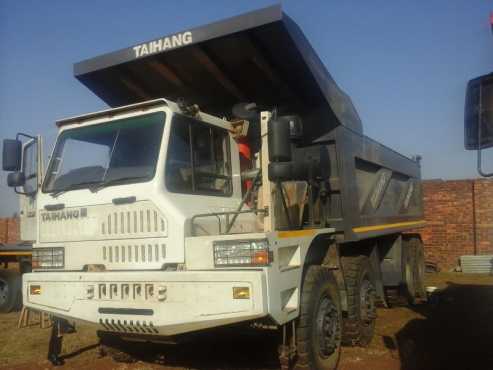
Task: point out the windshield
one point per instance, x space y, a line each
124 150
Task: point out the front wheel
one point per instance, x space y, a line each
10 290
319 326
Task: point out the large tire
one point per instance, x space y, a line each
413 267
319 326
10 290
359 323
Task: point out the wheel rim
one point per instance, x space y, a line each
4 291
328 327
368 309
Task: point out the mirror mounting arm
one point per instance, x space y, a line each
480 166
19 134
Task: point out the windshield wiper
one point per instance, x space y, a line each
117 180
77 185
96 184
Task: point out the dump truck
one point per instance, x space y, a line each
229 184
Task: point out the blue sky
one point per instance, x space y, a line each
404 63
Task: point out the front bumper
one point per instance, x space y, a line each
152 302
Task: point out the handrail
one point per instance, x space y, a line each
219 214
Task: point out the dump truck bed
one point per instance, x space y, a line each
261 56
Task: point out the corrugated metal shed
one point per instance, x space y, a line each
482 264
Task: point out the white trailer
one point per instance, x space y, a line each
156 219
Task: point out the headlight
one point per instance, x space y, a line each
242 253
48 258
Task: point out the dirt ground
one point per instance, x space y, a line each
454 331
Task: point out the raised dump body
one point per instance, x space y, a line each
260 56
264 57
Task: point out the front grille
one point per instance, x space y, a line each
143 253
133 222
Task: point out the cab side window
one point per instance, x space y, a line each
198 158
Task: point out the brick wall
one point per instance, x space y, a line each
459 215
9 230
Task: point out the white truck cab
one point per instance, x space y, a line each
114 214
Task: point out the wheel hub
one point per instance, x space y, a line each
328 327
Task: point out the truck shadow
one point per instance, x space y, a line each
218 349
455 333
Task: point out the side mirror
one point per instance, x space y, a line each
12 155
16 179
478 114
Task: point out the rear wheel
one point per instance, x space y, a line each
10 290
412 286
319 326
413 267
359 325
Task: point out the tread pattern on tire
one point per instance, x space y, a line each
409 287
418 252
314 275
353 334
